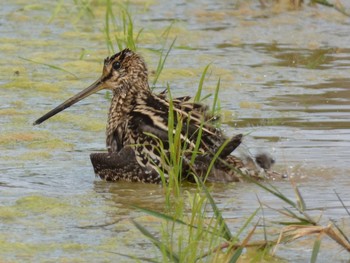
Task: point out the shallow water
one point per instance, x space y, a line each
284 82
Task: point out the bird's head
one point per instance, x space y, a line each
124 72
123 69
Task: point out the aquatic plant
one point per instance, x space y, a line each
124 36
123 29
193 228
198 234
81 9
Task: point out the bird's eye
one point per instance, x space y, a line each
116 65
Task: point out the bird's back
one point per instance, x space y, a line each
154 118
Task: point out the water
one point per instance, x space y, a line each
284 81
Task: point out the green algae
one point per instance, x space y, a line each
7 47
13 71
21 249
169 74
42 205
10 112
51 144
29 251
21 137
17 104
96 36
64 52
26 83
19 121
29 156
227 116
27 43
83 122
194 73
10 213
47 206
37 204
47 215
35 155
33 139
250 105
83 66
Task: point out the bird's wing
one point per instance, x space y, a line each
152 113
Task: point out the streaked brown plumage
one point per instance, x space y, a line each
137 128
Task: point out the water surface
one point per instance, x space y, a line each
284 82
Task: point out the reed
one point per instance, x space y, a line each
195 230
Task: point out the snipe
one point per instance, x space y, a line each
137 129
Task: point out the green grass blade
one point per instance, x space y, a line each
130 32
197 98
84 10
109 17
206 96
56 11
170 218
302 220
263 218
198 141
247 222
215 158
216 97
272 191
323 2
315 250
288 223
171 123
162 62
163 216
300 200
135 258
236 255
170 254
50 66
138 35
226 233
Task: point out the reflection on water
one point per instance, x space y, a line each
125 194
285 86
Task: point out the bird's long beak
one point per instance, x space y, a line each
95 87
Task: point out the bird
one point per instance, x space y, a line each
144 128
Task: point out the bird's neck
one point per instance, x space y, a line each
123 102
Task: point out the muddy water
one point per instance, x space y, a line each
284 82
